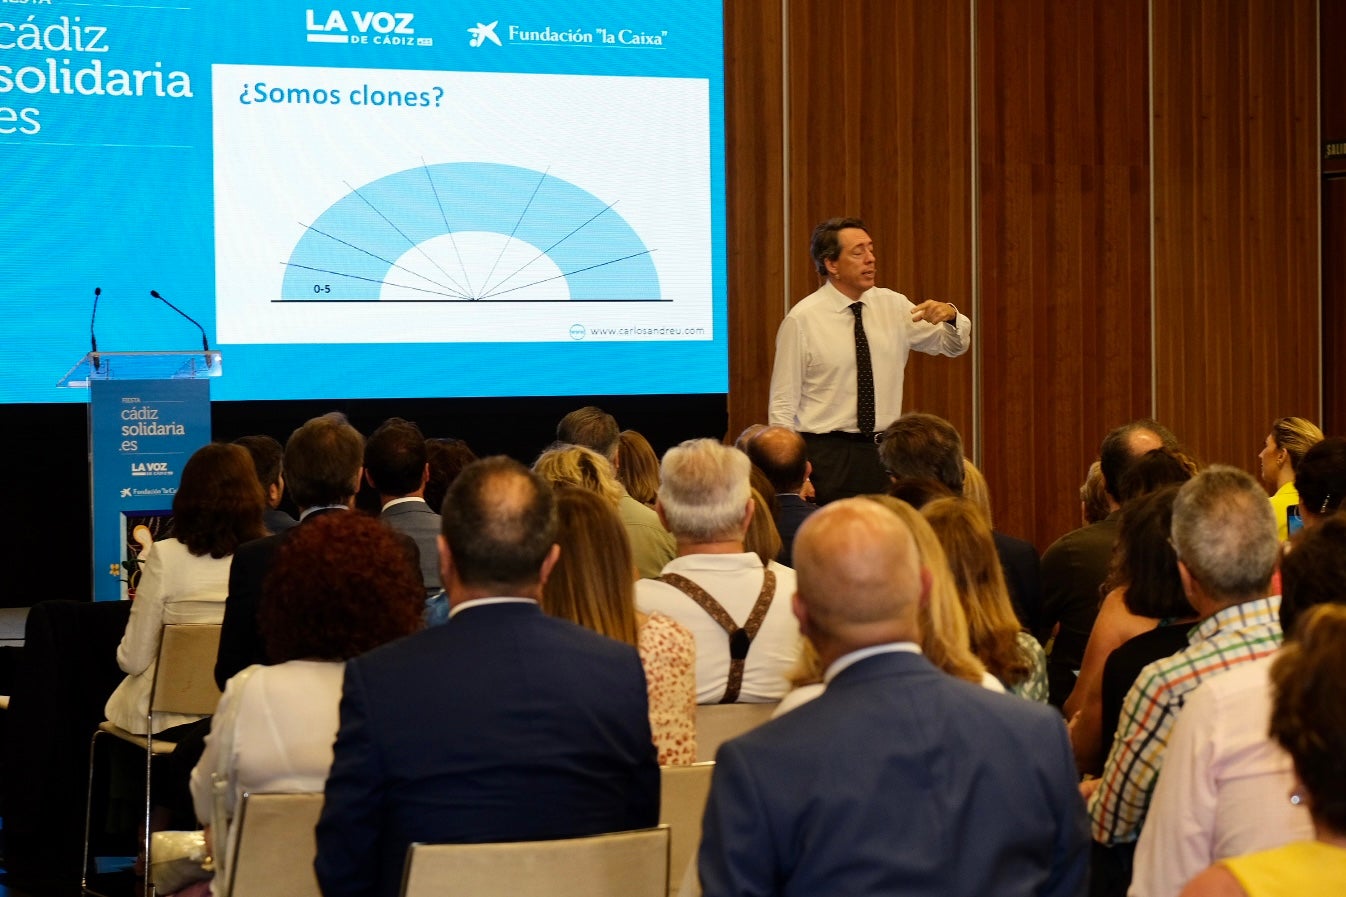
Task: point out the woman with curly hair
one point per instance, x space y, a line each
185 579
341 584
1308 720
1009 652
593 584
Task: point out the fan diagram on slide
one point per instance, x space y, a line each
470 231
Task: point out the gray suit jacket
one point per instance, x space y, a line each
898 779
415 519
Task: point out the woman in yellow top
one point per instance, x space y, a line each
1289 439
1308 719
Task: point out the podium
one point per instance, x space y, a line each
148 412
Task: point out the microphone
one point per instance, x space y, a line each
205 343
93 340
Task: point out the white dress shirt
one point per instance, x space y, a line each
813 383
1224 787
734 580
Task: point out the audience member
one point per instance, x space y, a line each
593 585
749 432
1144 568
1094 505
762 538
780 453
638 467
975 489
1289 439
995 635
217 508
1224 535
323 461
582 468
1222 789
737 606
1321 480
943 625
1075 565
447 456
267 454
338 588
920 446
532 728
396 467
1003 818
1308 722
652 545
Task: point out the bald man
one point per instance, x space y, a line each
899 778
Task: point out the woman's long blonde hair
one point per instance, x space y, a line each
593 582
944 633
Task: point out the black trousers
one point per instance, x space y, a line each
844 464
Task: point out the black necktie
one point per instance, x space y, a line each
864 373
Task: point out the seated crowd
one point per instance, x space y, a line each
463 650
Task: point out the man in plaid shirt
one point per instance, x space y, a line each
1224 534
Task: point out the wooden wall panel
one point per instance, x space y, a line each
1063 216
1236 220
879 127
1332 109
755 187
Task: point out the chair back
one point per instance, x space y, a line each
275 846
717 723
682 802
184 680
623 864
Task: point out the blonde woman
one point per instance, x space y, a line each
1011 654
593 584
944 633
574 465
1289 439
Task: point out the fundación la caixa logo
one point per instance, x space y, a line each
379 27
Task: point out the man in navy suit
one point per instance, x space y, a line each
503 724
898 779
397 467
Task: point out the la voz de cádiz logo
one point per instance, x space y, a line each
380 27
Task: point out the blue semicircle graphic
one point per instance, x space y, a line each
353 247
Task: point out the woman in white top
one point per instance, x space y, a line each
185 579
340 585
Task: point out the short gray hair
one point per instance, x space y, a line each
704 490
1224 532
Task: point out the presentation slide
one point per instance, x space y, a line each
417 199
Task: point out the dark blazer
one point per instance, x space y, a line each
417 520
793 512
1023 577
502 725
898 779
240 641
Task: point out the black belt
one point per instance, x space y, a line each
846 435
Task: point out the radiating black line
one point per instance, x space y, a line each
568 273
415 246
486 286
448 230
388 262
496 289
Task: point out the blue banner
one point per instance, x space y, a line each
141 433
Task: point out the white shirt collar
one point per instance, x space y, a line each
403 500
855 657
481 602
316 508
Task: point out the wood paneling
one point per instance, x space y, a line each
879 128
1236 220
1063 206
1334 306
754 156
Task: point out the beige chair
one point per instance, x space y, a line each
682 802
273 856
717 723
623 864
184 682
